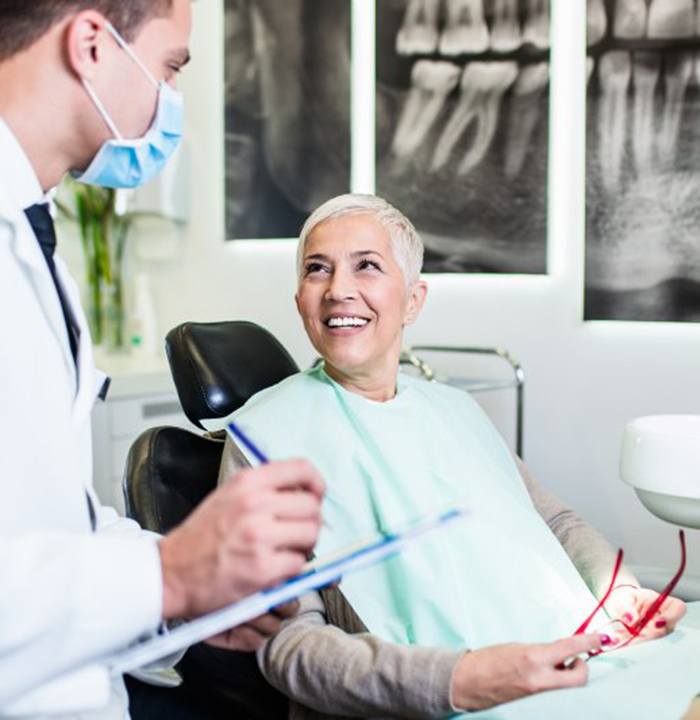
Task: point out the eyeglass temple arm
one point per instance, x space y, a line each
618 564
653 608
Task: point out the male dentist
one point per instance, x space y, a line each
88 86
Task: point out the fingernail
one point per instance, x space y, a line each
660 623
627 617
605 640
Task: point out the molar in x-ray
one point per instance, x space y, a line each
596 21
671 19
505 28
536 30
645 75
431 82
419 32
526 110
614 74
482 88
465 28
630 19
678 70
462 128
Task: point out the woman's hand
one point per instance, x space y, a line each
628 604
501 673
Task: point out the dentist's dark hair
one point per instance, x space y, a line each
23 22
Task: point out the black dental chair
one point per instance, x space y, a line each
216 367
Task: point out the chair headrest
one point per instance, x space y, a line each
218 366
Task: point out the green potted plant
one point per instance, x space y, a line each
104 223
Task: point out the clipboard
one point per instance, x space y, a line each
317 575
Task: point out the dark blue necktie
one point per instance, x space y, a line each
42 223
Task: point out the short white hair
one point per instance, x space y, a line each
405 240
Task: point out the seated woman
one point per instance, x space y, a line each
521 568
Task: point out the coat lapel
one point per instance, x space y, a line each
24 244
87 390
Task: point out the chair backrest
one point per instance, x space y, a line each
168 473
218 366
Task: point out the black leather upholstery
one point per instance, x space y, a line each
169 471
218 366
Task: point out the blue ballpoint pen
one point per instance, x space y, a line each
248 443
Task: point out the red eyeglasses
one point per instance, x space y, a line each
628 632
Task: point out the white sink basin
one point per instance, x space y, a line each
661 461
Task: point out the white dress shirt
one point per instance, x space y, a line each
67 595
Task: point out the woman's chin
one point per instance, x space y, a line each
345 367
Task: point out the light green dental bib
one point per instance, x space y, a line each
499 576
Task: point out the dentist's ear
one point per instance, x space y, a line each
86 37
416 299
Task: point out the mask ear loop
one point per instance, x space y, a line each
93 95
102 110
127 49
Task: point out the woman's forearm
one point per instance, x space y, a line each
590 552
326 669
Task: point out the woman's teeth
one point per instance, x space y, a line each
346 322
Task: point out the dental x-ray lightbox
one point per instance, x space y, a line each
287 112
643 139
461 97
462 103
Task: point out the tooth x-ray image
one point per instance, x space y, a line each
287 124
643 161
462 128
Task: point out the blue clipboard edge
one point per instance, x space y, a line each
262 602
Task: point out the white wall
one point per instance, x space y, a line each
584 380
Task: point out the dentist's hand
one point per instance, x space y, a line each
250 533
501 673
252 635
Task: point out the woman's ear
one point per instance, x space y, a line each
416 299
86 37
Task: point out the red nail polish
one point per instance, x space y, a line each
605 640
660 623
627 617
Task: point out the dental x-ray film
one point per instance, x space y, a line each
287 112
643 160
462 128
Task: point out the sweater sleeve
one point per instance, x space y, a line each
590 552
330 671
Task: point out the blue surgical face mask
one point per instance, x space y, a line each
123 163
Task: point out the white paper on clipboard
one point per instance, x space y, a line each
321 574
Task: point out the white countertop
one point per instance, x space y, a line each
135 375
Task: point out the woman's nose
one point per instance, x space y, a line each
341 287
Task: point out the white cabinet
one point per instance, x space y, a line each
141 396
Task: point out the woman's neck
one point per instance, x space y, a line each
379 386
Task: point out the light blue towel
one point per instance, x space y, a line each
652 681
499 576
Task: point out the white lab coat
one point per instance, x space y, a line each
67 595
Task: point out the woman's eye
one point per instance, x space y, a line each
368 265
314 268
